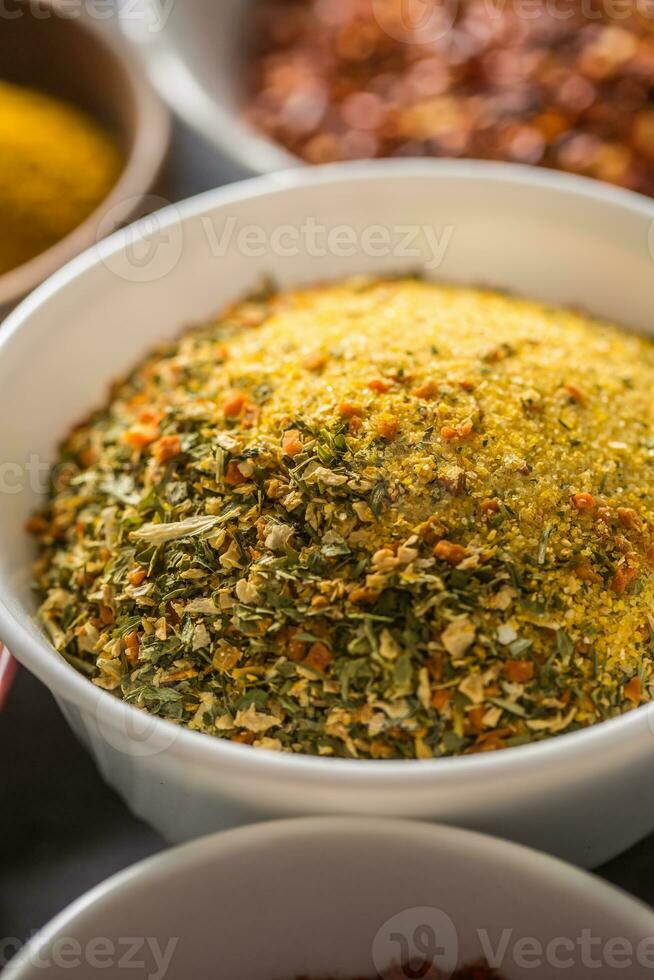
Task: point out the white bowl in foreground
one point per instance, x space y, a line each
585 796
345 897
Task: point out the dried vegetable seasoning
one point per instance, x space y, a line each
376 519
567 85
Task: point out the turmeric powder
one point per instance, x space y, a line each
56 165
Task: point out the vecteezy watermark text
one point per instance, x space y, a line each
310 237
152 16
155 244
422 22
418 941
566 952
151 956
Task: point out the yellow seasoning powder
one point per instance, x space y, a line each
56 165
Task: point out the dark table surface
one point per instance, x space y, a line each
62 830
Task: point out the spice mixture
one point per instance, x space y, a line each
56 166
374 519
568 85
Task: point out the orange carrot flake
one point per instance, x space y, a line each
387 426
166 448
519 671
475 717
624 576
292 442
106 614
140 436
136 576
492 741
234 404
441 698
627 517
318 657
233 476
150 415
428 389
633 691
452 553
489 506
583 501
132 645
448 432
243 738
584 571
380 385
347 410
296 650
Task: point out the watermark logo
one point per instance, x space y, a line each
152 248
423 942
415 944
151 14
415 21
424 22
135 733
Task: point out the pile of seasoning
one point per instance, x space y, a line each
561 85
56 166
377 519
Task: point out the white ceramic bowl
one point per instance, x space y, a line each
586 795
345 897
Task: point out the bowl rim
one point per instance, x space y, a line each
237 141
604 737
141 167
434 838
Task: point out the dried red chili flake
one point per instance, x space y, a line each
565 86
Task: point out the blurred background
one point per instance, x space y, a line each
564 85
266 84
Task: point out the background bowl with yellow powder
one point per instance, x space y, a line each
342 542
67 164
82 142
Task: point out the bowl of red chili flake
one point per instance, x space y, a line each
341 898
566 85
